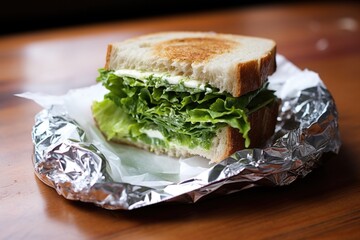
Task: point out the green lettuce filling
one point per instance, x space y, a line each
157 113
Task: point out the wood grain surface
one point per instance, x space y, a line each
324 205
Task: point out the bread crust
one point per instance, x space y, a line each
262 124
253 74
108 56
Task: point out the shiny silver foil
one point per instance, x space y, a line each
307 128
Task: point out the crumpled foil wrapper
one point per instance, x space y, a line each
65 159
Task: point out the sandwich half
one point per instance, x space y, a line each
188 93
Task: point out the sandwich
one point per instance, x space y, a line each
188 93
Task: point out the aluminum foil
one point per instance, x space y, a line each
70 162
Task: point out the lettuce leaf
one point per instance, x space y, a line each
180 115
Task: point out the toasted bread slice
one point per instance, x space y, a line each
232 63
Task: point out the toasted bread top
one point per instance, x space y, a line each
232 63
193 49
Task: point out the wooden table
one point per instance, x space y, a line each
325 204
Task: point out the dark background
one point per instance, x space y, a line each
31 15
